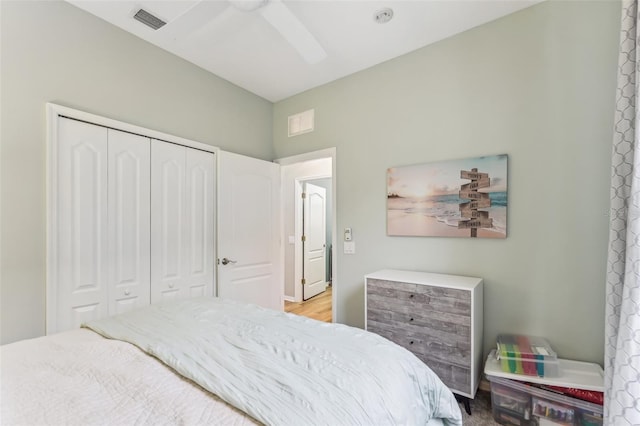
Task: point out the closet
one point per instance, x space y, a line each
131 222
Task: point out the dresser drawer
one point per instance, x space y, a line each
436 324
386 293
457 378
389 294
450 348
452 364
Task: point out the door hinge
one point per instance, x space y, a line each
304 281
304 238
304 195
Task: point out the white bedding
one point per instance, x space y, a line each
80 378
332 374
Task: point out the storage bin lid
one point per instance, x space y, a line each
526 348
573 374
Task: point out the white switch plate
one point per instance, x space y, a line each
349 247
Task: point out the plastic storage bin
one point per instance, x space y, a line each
526 404
520 404
527 355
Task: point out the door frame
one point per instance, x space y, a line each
301 158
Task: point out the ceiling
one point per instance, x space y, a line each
278 48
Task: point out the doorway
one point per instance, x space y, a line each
318 307
316 236
315 169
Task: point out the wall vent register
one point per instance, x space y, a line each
149 20
302 122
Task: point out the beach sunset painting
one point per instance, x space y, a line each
434 200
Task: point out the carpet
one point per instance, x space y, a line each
481 414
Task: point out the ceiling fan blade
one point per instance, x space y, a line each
296 34
248 5
194 18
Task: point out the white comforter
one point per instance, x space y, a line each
80 378
278 368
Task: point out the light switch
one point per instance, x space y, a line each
349 247
347 234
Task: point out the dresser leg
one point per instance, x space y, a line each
466 401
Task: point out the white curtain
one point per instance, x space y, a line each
622 334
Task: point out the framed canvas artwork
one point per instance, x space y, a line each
456 198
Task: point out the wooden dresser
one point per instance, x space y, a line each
437 317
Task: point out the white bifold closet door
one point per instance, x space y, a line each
182 222
129 221
81 214
133 223
103 222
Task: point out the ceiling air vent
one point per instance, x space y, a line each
149 20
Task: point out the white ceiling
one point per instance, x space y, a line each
255 49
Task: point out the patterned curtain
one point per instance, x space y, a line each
622 333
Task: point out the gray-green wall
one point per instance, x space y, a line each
537 85
54 52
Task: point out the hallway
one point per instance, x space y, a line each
318 307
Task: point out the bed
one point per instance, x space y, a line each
216 361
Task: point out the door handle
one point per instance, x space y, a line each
226 261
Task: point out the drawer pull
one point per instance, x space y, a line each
411 296
410 319
411 342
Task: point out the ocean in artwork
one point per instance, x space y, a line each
424 200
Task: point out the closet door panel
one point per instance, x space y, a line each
200 193
129 221
82 258
168 221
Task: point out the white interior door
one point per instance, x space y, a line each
249 258
129 221
81 233
314 241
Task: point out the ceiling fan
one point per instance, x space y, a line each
275 12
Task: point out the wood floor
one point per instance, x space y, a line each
318 307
